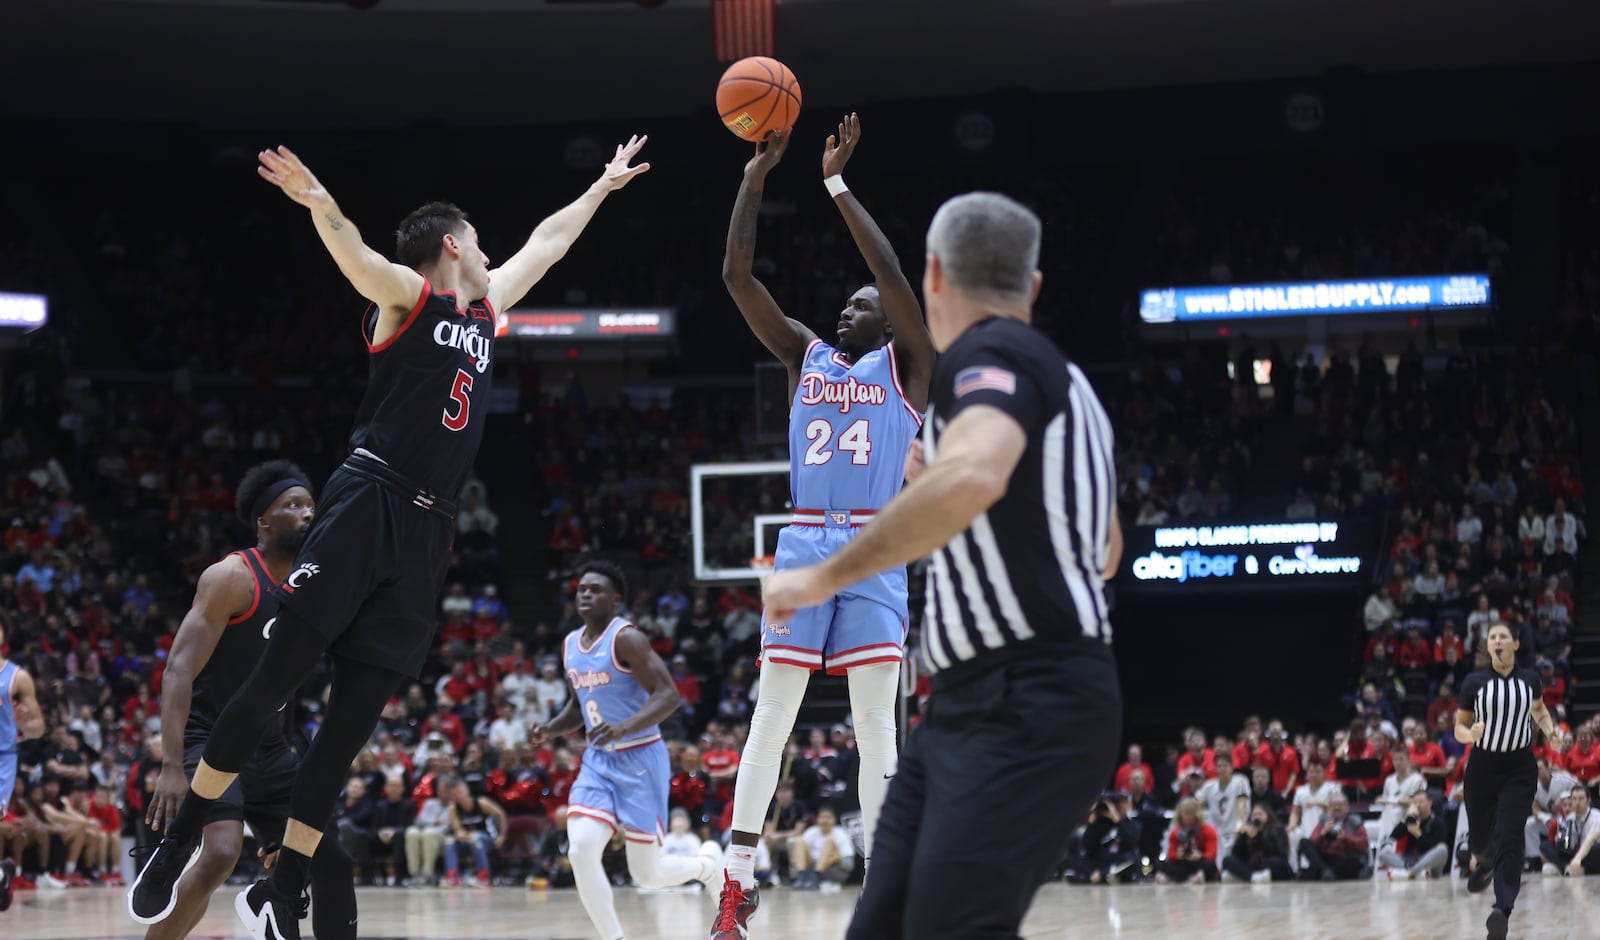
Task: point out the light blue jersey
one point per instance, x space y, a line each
850 429
8 737
623 784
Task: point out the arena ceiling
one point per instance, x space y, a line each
316 63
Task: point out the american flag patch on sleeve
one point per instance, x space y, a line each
981 378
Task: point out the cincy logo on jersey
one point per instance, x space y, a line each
468 339
589 679
818 389
300 576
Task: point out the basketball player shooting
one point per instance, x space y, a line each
365 584
855 408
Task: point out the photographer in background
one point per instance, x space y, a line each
1191 847
1337 848
1261 849
1572 851
1421 846
1109 845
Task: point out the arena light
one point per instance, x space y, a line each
1255 555
587 323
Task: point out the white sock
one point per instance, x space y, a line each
782 689
742 865
586 845
69 868
874 692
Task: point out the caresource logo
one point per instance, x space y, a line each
1305 561
1183 566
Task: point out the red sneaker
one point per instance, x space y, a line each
22 884
76 880
452 880
734 910
114 879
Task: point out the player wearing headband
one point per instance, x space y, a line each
218 644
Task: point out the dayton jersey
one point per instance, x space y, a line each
850 428
8 736
606 690
238 650
428 391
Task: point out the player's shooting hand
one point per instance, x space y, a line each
171 788
618 173
788 591
836 152
768 153
284 170
914 463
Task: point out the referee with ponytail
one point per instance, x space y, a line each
1499 706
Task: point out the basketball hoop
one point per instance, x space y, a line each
763 566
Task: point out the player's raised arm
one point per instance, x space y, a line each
393 287
549 242
225 590
913 345
785 338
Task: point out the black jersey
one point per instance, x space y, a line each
238 650
428 391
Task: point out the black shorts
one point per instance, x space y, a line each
260 795
368 576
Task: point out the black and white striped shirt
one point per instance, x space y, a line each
1505 706
1027 571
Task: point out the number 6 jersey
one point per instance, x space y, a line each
427 395
607 692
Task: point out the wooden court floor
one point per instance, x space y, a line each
1550 908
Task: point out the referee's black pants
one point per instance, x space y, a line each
990 789
1500 790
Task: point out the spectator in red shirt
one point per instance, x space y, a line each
457 687
1583 758
721 764
1197 754
1444 702
1555 689
1355 747
1135 762
558 780
444 721
1279 757
1414 652
688 686
1428 757
1448 640
1191 847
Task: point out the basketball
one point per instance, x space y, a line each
757 96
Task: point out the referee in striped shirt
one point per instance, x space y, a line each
1012 494
1498 708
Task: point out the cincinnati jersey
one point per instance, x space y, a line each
850 427
238 650
427 394
606 690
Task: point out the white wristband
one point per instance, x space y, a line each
835 185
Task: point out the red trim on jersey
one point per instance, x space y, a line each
410 319
814 667
255 579
635 744
894 372
845 669
574 810
871 646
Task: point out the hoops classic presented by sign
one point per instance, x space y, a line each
1268 556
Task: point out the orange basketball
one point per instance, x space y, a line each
757 96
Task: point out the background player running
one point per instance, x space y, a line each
217 645
621 691
854 412
20 720
366 582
